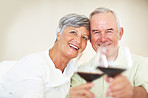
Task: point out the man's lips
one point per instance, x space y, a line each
104 44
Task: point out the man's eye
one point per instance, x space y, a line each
96 32
109 31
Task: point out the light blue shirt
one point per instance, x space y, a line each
137 74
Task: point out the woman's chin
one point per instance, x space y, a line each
71 56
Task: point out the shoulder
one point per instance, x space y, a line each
29 66
33 59
138 59
141 63
28 62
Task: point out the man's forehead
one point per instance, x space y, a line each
103 21
102 16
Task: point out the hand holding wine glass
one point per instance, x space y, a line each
110 67
87 73
82 91
118 84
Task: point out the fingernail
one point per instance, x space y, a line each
110 83
91 84
107 93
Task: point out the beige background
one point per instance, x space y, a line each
28 26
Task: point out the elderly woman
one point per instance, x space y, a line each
47 74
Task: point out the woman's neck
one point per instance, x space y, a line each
58 58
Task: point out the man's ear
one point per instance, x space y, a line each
58 35
121 33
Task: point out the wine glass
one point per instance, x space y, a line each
110 68
88 73
114 68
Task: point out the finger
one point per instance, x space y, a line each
80 96
85 86
106 78
75 92
118 94
124 92
117 87
118 79
120 85
119 82
86 93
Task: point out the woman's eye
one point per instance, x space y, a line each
73 32
84 37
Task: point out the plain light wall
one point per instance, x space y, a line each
28 26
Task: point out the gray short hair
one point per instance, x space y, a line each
106 10
73 20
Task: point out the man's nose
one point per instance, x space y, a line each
103 37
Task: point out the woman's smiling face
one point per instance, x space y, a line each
73 41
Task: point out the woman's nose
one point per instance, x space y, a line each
78 39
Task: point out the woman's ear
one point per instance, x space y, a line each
121 33
58 35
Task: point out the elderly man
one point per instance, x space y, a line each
106 32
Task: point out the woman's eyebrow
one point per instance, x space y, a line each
74 30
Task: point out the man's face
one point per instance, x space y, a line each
104 33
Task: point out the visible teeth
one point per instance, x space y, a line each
104 45
74 46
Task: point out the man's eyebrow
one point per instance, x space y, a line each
110 29
94 30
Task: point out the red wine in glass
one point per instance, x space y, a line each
89 77
111 72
